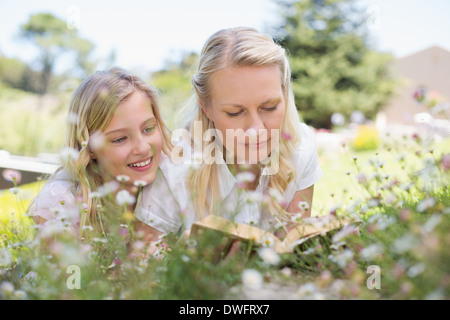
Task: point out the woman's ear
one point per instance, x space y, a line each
205 109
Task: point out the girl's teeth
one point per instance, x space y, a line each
140 164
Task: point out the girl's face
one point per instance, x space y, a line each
247 107
131 142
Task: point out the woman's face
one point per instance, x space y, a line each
131 142
247 107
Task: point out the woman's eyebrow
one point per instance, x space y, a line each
237 105
271 101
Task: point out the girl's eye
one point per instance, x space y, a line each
230 114
149 129
119 140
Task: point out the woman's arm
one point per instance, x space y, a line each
148 235
305 195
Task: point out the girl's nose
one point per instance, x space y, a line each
142 146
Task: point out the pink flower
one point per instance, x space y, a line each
446 161
12 175
286 136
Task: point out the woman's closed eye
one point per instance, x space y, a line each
271 108
234 114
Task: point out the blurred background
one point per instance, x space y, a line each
361 68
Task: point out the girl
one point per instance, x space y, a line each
115 138
265 161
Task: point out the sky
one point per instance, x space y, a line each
147 34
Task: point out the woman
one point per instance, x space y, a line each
116 140
243 96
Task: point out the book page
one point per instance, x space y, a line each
240 231
310 227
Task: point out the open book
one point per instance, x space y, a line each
300 233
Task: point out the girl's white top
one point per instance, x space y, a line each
166 203
56 203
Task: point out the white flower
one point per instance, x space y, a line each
107 188
372 251
296 218
361 178
252 279
122 178
416 269
69 154
426 204
405 243
245 176
344 232
5 257
191 243
140 183
382 221
303 205
254 197
342 258
51 227
269 256
123 197
94 194
7 288
310 291
431 223
20 294
96 141
268 241
89 228
14 190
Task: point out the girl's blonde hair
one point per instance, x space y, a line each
91 110
241 47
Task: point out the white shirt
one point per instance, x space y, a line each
165 204
56 203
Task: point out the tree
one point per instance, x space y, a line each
17 74
174 83
53 38
333 67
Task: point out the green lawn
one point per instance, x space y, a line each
338 185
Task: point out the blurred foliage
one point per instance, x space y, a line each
17 74
333 68
26 129
53 38
173 83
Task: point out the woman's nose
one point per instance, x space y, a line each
256 123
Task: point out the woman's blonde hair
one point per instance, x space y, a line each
91 110
241 47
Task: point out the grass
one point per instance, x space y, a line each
404 201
